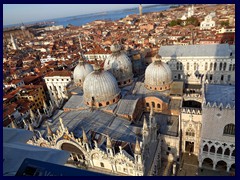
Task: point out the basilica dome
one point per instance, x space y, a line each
100 88
80 72
119 64
158 76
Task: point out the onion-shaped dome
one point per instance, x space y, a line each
100 88
158 76
119 64
80 72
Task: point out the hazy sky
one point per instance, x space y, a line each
18 13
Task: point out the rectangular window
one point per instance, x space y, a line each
229 77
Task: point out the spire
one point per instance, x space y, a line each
145 126
137 147
49 131
109 143
13 125
85 139
140 9
61 123
32 115
44 104
30 127
38 112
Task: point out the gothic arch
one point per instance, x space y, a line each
220 150
232 168
212 149
221 165
227 152
207 162
205 148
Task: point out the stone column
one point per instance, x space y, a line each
214 165
228 167
200 163
174 169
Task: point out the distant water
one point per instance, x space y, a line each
108 15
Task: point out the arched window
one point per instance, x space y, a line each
211 66
230 67
205 148
100 104
102 165
219 151
177 66
220 66
187 66
227 152
229 129
107 103
215 66
233 153
224 66
147 104
180 66
153 104
195 66
233 68
206 66
158 106
212 149
190 132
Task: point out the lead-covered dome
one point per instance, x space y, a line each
100 89
80 72
119 64
158 76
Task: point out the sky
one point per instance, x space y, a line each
22 13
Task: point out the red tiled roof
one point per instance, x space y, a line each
58 73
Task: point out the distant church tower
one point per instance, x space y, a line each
140 9
190 11
14 45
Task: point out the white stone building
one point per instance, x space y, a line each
217 149
208 23
57 82
214 63
190 12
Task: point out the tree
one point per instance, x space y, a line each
224 23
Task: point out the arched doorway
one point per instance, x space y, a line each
207 163
232 168
76 155
221 166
